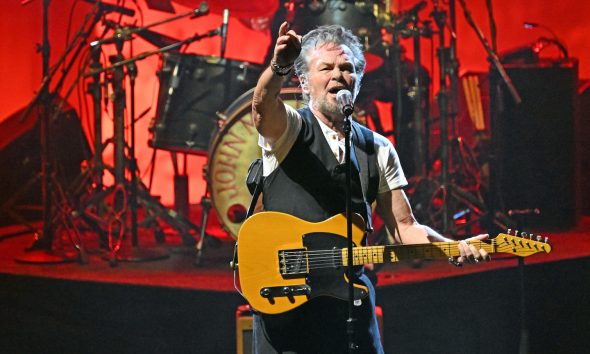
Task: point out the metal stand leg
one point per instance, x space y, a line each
206 208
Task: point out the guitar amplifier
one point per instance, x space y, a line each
535 143
244 328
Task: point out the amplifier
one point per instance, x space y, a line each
244 328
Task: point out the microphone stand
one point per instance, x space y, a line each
492 56
350 270
127 32
440 19
45 98
495 62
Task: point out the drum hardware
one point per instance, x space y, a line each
129 193
453 201
223 32
410 84
205 210
125 192
157 39
55 201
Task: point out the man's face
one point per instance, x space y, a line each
331 69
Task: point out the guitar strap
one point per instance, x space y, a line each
254 180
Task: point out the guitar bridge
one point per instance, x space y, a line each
293 263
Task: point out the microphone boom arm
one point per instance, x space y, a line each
492 55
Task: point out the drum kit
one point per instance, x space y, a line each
194 90
204 106
204 102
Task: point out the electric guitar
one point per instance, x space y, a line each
284 261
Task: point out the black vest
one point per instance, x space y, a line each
310 183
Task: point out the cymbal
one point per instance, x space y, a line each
241 9
161 5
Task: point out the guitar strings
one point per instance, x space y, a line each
318 259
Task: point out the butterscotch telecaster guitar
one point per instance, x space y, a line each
284 261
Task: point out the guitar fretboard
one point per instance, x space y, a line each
396 253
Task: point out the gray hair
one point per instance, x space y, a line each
331 34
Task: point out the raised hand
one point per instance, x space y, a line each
287 47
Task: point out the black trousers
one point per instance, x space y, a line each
318 327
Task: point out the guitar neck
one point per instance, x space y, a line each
396 253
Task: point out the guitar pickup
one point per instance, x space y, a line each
285 291
293 263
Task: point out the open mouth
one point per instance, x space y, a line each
335 90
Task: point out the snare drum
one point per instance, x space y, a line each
193 89
233 148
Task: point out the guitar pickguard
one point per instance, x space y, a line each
325 271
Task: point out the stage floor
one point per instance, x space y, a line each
174 306
179 269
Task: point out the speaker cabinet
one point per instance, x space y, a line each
584 146
534 144
244 328
20 158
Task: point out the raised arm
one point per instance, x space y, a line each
268 111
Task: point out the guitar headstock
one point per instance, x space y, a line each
521 244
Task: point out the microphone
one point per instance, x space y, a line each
201 11
409 15
223 32
555 40
344 99
112 8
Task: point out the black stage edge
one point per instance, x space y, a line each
475 313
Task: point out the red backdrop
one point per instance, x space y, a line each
21 29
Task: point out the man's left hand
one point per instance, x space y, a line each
471 254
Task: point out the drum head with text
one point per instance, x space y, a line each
233 149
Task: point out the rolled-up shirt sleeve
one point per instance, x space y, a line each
391 175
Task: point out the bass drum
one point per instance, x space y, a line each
233 148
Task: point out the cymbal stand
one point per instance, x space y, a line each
416 91
416 94
456 202
125 191
440 17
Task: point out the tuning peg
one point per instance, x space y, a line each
546 239
523 234
515 232
508 231
539 238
